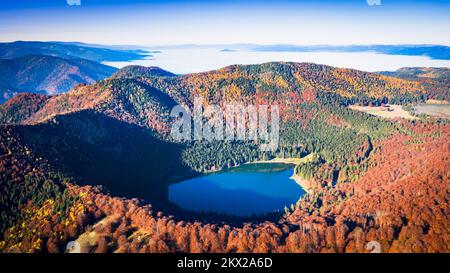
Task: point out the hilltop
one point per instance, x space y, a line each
134 71
441 74
435 79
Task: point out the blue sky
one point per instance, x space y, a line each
219 22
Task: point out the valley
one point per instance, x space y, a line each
100 158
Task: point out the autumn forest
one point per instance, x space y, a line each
78 166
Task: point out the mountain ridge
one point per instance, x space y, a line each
48 74
276 81
67 51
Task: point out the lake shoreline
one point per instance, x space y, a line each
303 183
240 191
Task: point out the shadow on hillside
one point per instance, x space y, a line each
98 150
127 160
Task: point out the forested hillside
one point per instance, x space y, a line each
21 107
400 202
367 178
271 81
48 74
134 71
285 84
435 80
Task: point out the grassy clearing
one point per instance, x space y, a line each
432 101
435 110
389 112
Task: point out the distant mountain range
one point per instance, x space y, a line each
433 51
56 67
68 51
100 53
47 74
438 52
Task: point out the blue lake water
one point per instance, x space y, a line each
243 191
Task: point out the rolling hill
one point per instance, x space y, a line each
441 74
47 74
435 79
67 51
134 71
272 82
